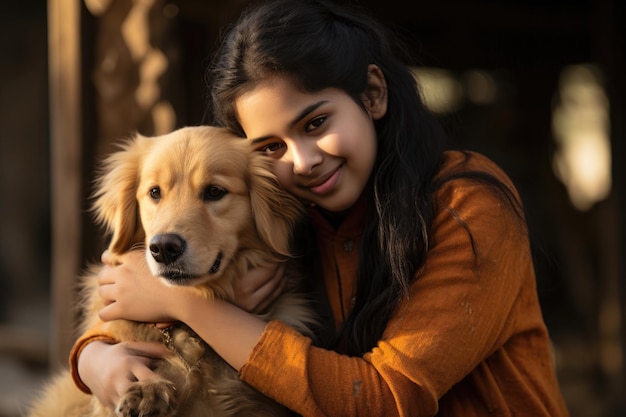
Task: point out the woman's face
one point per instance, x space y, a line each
323 144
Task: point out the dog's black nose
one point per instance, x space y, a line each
166 248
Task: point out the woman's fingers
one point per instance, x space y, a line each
148 349
107 313
259 288
105 275
270 292
164 325
106 257
144 372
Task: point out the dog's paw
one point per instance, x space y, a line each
148 398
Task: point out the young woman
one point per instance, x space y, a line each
423 253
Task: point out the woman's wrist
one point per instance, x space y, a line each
191 305
88 354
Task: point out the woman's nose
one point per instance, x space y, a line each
306 156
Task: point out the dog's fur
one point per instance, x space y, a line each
206 208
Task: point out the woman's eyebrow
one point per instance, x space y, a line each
304 113
261 139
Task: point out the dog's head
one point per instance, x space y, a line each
196 198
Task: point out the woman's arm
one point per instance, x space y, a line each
127 362
130 293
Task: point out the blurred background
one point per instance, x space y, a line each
536 85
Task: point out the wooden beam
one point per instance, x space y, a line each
65 153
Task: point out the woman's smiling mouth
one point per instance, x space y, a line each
327 183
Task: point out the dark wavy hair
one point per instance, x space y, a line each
318 45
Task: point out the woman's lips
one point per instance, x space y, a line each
328 184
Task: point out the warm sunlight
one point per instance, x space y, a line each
580 124
441 91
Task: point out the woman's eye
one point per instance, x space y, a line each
155 193
271 149
213 193
315 123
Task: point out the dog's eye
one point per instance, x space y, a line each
155 193
213 193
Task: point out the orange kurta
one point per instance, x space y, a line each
469 340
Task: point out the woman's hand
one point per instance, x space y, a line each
131 292
260 287
109 369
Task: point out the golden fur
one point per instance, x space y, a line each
206 208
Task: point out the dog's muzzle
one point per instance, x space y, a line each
167 249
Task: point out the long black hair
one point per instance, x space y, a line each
319 45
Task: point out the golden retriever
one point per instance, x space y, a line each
205 208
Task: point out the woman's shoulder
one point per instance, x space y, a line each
471 177
474 197
468 165
455 162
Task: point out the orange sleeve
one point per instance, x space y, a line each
283 359
468 340
96 333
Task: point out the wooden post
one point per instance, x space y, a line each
65 153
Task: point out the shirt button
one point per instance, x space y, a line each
348 245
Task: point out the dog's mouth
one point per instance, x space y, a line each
216 265
179 276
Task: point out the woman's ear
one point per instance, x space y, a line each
375 94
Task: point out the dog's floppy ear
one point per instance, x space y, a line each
275 210
115 205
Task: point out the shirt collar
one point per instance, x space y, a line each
352 225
